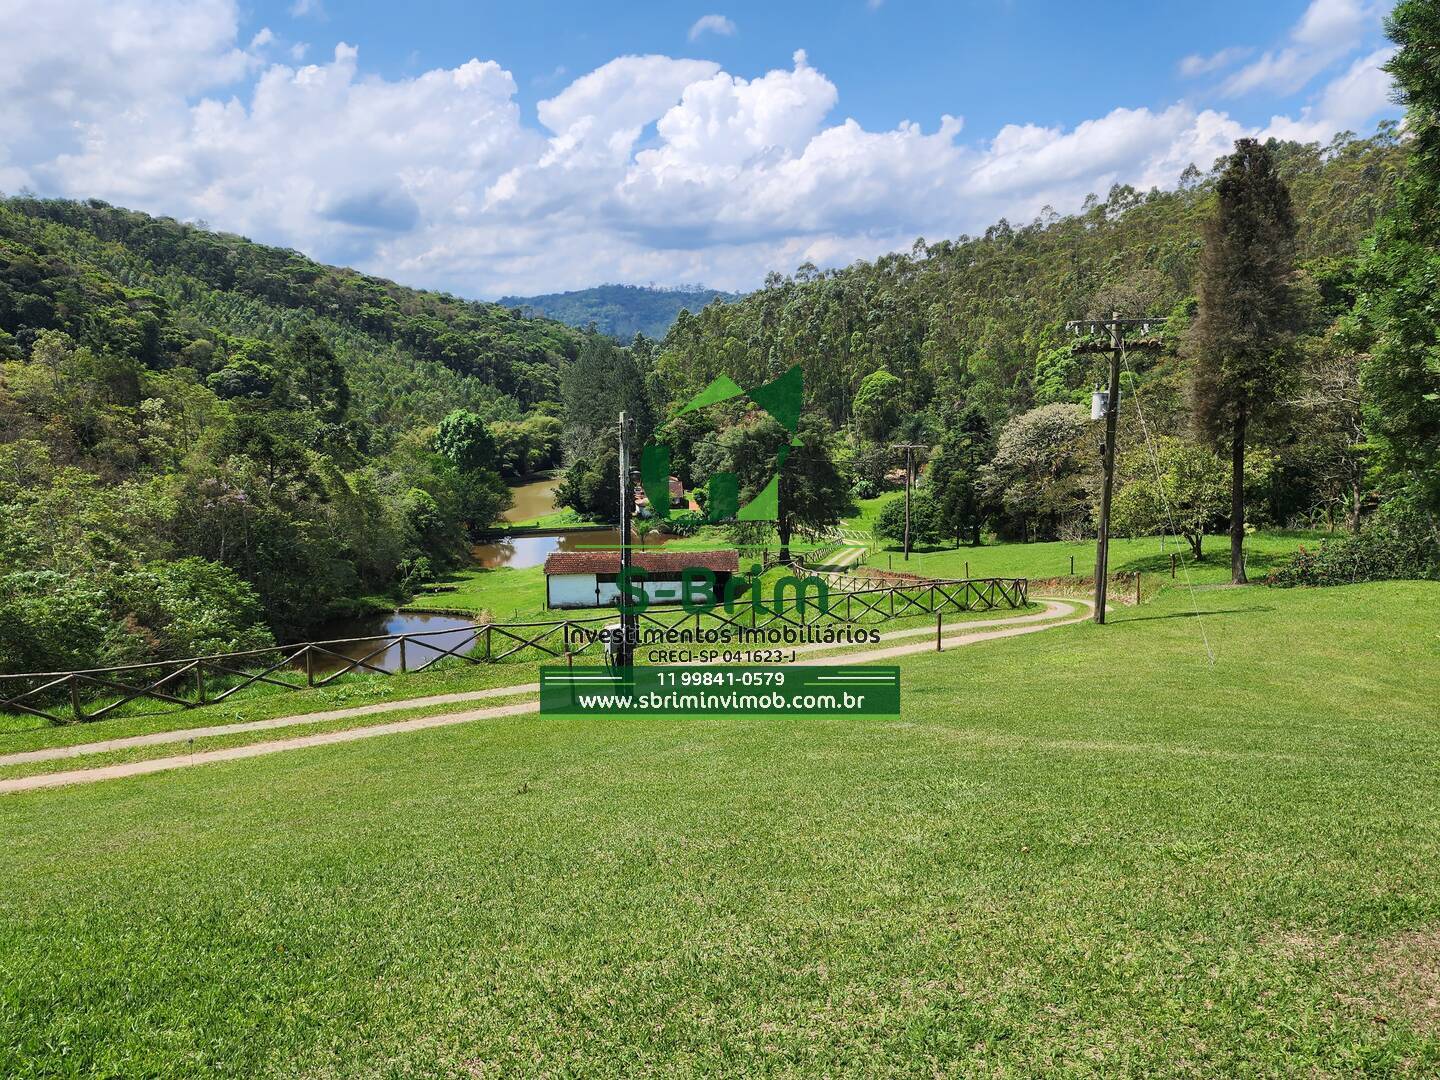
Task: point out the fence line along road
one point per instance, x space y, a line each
207 680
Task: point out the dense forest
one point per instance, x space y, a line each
619 311
961 345
206 443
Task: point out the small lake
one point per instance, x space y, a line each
372 629
518 552
532 500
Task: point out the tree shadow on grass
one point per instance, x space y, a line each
1192 614
1257 563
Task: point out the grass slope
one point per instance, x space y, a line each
1086 851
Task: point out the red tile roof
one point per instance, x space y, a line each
655 562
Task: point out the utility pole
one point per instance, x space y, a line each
625 653
1108 336
909 449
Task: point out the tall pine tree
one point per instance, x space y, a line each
1243 333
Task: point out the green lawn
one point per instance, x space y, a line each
868 510
1086 851
1265 550
556 519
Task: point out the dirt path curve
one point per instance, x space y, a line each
1055 613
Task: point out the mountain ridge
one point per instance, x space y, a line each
620 310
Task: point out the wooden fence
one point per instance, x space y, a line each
61 696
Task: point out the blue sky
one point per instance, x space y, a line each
992 61
491 148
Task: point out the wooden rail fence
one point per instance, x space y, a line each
207 680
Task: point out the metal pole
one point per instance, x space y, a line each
625 654
1112 410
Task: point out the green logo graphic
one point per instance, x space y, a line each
780 398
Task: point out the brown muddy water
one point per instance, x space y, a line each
518 552
533 500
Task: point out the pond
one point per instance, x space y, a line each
532 500
372 629
518 552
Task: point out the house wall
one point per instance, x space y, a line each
579 590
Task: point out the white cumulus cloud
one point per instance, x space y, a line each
648 168
1327 31
712 24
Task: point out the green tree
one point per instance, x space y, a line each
1189 494
464 440
1244 330
591 487
927 522
878 405
1038 472
1399 277
814 493
316 377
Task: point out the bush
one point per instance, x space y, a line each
192 607
52 622
927 524
1397 542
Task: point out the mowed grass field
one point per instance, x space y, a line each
1266 550
1086 851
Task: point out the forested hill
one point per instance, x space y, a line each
169 294
621 311
979 320
960 345
205 441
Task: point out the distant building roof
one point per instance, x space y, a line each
655 562
677 492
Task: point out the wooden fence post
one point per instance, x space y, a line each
309 667
1137 588
938 617
200 682
1172 564
402 653
75 698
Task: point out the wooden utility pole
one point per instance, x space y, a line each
625 653
1108 336
909 449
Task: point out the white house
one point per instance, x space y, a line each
576 579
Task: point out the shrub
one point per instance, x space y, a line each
927 524
1399 541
